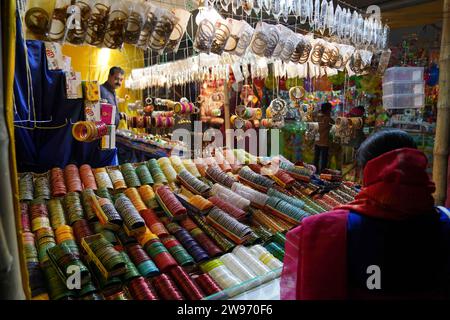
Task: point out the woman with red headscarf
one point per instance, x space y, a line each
391 242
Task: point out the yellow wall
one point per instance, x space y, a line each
94 64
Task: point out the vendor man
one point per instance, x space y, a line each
108 89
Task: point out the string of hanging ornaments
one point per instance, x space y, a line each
347 41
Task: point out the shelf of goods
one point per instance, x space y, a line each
167 229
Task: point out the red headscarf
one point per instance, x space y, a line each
396 187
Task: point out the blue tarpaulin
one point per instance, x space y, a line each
41 146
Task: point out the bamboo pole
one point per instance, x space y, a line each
441 146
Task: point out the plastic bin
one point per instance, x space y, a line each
404 101
403 87
413 74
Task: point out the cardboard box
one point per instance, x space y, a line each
92 111
108 113
109 141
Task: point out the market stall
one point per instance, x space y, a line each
138 219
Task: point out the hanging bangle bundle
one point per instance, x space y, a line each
230 196
191 167
97 24
25 217
88 131
167 169
140 290
253 196
58 185
162 30
170 201
73 208
292 200
134 25
177 251
200 203
149 22
204 36
228 222
237 267
229 208
110 212
207 284
301 52
117 22
249 175
129 214
135 198
102 178
221 36
192 182
223 243
221 274
87 177
130 176
166 288
72 178
86 195
187 286
148 196
143 262
159 254
117 179
56 211
42 187
244 255
77 34
37 20
276 250
219 176
58 23
144 174
26 187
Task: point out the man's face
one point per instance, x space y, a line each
116 80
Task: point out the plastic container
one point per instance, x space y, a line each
404 101
413 74
403 87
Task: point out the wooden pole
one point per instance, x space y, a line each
441 146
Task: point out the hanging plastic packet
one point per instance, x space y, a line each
97 22
59 17
176 36
221 35
165 24
265 39
233 40
149 24
117 21
245 38
302 50
77 22
135 22
289 47
285 35
205 36
37 17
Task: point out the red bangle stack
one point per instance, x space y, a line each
58 186
186 284
87 177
